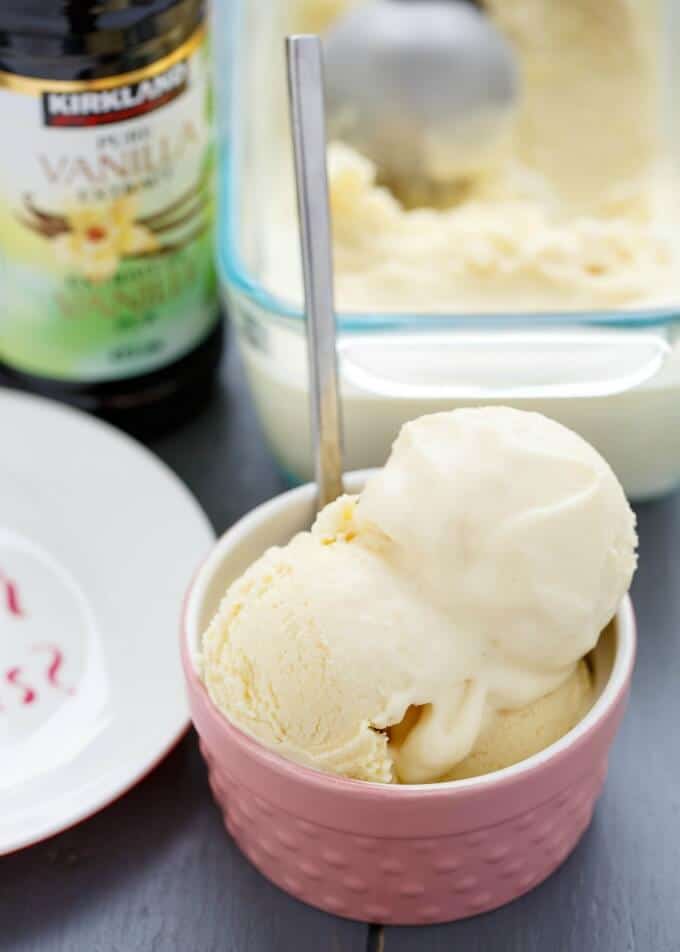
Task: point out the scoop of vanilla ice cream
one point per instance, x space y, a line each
514 526
439 616
322 644
513 735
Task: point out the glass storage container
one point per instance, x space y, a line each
552 283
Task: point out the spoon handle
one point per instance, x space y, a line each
305 82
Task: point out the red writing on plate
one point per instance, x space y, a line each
10 592
14 677
23 684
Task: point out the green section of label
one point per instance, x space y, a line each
150 313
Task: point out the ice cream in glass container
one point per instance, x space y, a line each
545 278
574 208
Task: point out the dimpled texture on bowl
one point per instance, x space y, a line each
405 880
402 855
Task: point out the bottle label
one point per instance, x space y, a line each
106 219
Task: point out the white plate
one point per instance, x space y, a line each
98 542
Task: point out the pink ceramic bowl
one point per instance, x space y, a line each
397 854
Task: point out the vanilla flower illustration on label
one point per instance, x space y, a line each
99 236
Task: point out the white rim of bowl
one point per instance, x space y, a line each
621 669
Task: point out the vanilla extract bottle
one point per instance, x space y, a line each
108 294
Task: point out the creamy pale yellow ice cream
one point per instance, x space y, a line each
513 735
578 209
434 625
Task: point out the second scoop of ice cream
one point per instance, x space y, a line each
466 582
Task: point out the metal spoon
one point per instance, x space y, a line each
305 83
424 89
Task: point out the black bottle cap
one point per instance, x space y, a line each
87 39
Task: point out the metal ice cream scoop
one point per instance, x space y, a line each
425 89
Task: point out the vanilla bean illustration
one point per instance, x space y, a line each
181 218
32 225
48 217
46 224
172 246
155 220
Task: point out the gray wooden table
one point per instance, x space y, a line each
157 872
